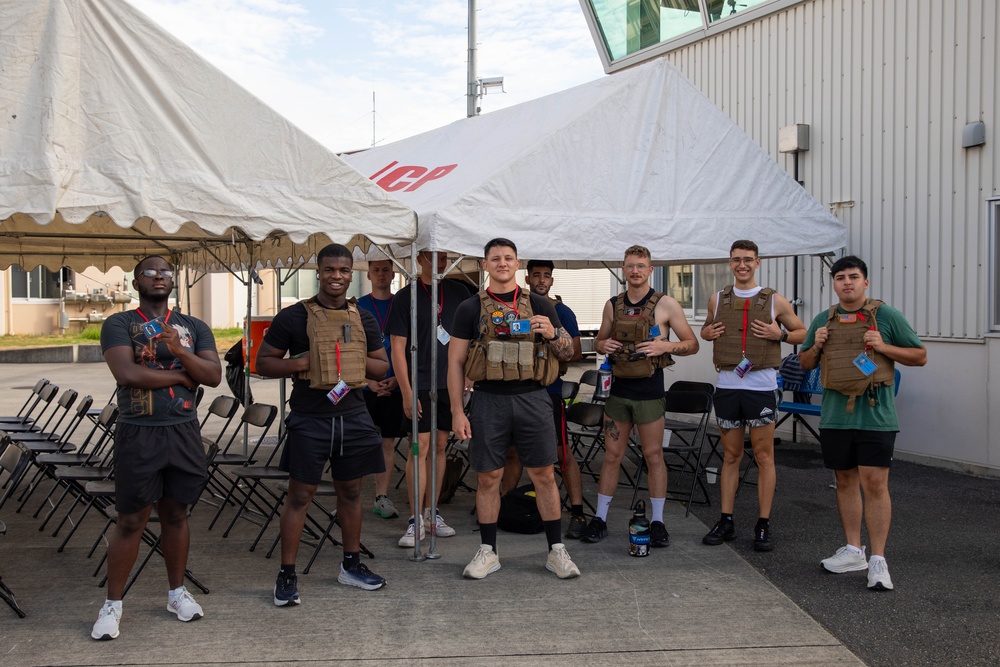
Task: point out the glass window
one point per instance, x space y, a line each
298 285
692 284
720 9
39 283
628 26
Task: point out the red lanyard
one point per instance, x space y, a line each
861 316
746 309
510 306
337 348
165 319
440 296
379 316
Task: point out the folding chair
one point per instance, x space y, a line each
14 460
6 594
585 433
257 493
256 415
39 442
23 415
590 378
688 453
684 429
323 489
223 409
44 402
88 453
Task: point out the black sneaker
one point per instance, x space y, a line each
596 531
722 531
360 576
658 536
762 539
286 590
577 524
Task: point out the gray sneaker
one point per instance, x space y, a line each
384 508
845 560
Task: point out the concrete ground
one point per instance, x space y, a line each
687 604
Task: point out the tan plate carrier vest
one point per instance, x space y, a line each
515 358
727 351
325 328
844 344
629 330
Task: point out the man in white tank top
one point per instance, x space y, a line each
747 353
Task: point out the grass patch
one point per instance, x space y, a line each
91 335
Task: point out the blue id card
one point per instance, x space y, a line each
520 327
864 364
654 331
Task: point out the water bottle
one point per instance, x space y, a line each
603 388
638 531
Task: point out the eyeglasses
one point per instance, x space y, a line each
736 261
635 267
152 273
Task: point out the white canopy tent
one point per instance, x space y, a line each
117 141
640 156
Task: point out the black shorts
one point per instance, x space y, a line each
443 412
153 462
846 449
350 443
736 408
501 420
387 413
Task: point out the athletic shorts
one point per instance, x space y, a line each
387 413
736 408
443 412
632 411
501 420
846 449
350 444
153 462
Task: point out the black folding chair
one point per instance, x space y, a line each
684 457
23 415
6 594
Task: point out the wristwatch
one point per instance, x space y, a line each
784 336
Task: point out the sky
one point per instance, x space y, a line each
318 62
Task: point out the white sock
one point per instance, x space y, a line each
117 604
860 552
873 558
603 503
657 504
176 592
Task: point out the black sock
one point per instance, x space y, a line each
488 534
763 523
287 569
351 559
576 510
727 518
553 531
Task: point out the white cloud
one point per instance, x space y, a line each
317 61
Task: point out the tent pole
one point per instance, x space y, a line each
415 442
432 444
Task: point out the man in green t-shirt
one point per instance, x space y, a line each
858 342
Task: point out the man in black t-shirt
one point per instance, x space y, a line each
430 331
158 357
326 424
638 401
505 412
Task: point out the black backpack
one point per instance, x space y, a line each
519 511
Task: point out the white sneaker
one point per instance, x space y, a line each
185 607
845 560
106 626
441 528
407 541
878 575
559 562
483 563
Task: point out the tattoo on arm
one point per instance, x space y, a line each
681 349
562 346
611 429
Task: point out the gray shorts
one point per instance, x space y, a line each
501 420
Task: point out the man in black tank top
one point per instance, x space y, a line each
638 401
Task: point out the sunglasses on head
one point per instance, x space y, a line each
152 273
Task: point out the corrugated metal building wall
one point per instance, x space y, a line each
886 87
